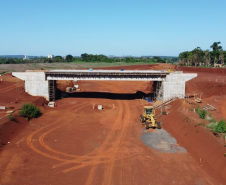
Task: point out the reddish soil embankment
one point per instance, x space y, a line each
209 81
207 89
199 142
201 70
9 129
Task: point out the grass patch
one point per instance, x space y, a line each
202 113
218 127
49 67
224 138
211 125
200 124
11 118
221 127
188 120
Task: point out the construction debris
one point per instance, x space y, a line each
2 107
9 112
198 100
51 104
100 107
164 111
209 107
70 89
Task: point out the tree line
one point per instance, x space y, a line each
90 58
199 57
57 59
102 58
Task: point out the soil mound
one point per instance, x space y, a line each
41 102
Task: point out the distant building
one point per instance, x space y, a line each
25 57
51 56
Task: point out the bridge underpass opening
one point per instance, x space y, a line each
122 90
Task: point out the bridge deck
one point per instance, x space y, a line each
106 75
106 72
109 71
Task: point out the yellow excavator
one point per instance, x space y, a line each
148 117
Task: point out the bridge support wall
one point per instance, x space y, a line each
174 85
35 83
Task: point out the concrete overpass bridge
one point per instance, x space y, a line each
43 83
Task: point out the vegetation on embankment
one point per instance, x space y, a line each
199 142
29 111
218 127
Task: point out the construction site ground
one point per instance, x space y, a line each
76 144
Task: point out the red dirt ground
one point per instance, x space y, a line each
74 144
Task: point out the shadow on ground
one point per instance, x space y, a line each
106 95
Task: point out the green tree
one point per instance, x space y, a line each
190 58
216 49
221 57
84 56
69 58
215 46
58 58
29 110
206 57
184 57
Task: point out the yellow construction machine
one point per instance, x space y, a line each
148 117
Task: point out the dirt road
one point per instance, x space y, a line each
76 144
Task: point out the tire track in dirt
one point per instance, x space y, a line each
41 138
101 151
29 143
8 88
98 150
116 139
118 144
111 137
109 172
107 153
29 140
81 159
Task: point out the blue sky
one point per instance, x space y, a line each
110 27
